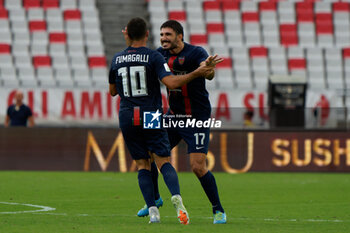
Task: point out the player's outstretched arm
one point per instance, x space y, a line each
175 81
113 89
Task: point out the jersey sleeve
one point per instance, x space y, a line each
112 72
161 66
200 55
29 112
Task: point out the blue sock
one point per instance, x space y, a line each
146 186
154 171
209 185
170 178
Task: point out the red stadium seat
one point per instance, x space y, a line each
50 4
267 6
226 63
58 37
72 15
215 28
296 63
304 7
289 36
42 61
258 52
250 17
211 5
37 26
197 39
5 49
324 29
177 15
230 5
4 14
97 62
346 53
1 4
305 17
323 18
31 4
341 6
324 23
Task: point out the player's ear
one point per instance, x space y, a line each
147 33
181 37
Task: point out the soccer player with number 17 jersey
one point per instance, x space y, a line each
191 99
134 75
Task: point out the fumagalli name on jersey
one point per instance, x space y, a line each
153 120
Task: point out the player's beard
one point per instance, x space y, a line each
173 45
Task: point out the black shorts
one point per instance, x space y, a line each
140 141
197 139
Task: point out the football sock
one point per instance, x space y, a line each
209 185
146 186
154 171
170 178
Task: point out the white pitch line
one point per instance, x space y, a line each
203 217
44 209
41 208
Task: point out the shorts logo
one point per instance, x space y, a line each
151 120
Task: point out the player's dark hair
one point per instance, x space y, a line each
137 28
176 26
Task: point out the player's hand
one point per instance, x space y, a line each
205 70
213 60
126 36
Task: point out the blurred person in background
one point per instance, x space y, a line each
248 118
19 114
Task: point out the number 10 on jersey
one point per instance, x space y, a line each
136 77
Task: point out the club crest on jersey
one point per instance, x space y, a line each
181 60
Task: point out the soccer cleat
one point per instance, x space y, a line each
144 211
182 214
154 216
219 217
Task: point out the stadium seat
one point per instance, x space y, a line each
4 14
37 25
78 63
8 77
31 4
26 76
41 61
20 50
99 77
60 62
68 4
13 4
5 49
198 39
23 61
96 62
45 76
64 77
71 14
87 4
288 33
48 4
81 78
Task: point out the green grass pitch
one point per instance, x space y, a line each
108 202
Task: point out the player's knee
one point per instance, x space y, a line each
199 169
